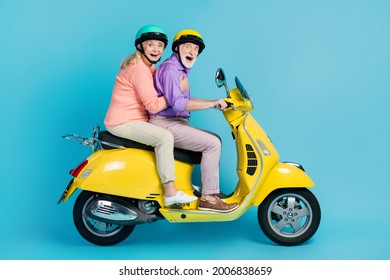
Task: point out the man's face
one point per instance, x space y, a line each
188 53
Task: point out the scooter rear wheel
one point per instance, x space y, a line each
289 216
97 232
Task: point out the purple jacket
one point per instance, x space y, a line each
167 82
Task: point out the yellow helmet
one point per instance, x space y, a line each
188 36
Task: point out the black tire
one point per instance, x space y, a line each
289 216
96 232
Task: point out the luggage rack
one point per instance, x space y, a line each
93 141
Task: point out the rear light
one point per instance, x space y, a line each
75 172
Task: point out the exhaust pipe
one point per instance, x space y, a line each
118 212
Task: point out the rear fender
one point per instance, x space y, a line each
69 190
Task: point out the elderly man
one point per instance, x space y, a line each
169 79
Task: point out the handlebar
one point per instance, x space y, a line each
229 105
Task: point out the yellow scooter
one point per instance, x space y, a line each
121 188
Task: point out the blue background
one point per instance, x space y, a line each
318 72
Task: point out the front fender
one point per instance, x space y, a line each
283 175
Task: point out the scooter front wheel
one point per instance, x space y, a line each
290 216
97 232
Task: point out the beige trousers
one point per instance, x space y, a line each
155 136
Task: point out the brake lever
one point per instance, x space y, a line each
230 104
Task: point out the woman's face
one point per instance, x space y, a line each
153 49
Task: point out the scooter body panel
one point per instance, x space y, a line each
191 215
129 173
256 155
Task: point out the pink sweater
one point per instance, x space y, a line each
134 95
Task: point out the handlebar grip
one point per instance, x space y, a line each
218 106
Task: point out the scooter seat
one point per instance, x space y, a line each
179 154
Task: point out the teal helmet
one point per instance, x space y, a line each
151 32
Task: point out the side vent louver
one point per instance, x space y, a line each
252 160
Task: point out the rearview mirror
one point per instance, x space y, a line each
220 79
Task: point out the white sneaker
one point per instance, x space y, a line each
179 197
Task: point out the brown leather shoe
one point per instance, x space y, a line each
221 195
218 205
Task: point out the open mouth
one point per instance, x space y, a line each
189 58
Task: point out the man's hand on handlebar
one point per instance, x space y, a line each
221 105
